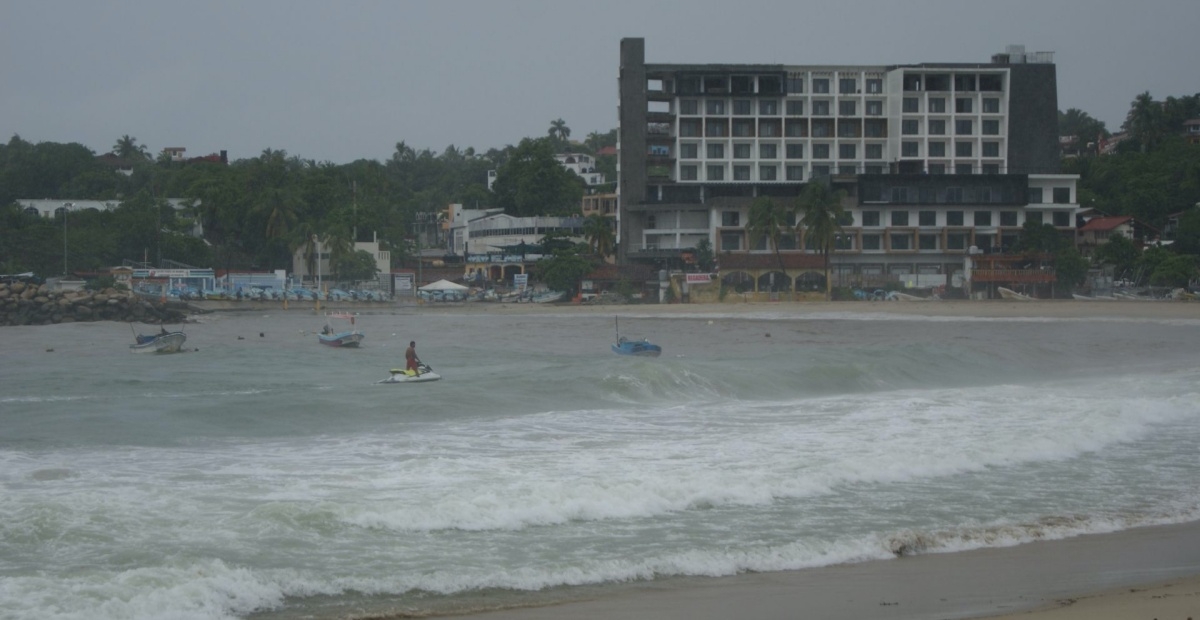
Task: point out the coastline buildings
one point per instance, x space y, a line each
939 161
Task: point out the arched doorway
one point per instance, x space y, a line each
738 281
774 282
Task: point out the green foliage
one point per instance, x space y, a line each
705 259
1039 238
101 283
822 216
598 230
1187 236
1085 129
1149 186
768 220
355 266
533 183
564 270
624 288
1118 252
1070 267
1174 271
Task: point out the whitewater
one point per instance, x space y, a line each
262 475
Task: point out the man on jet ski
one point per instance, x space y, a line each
410 358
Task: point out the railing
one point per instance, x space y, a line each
1029 276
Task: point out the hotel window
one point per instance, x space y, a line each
1035 195
1008 218
963 149
870 218
795 108
688 151
687 173
983 218
954 218
927 242
874 151
991 169
743 128
820 171
991 149
689 129
848 129
990 128
768 107
820 151
872 242
910 149
715 107
937 168
846 108
874 85
962 127
911 105
795 173
820 108
847 151
820 85
741 107
937 127
1033 216
847 86
901 241
716 173
1062 195
963 169
731 241
730 218
741 151
794 128
910 127
874 108
768 129
899 218
937 105
937 149
1062 218
794 151
768 151
955 195
716 151
956 241
795 83
963 106
767 173
875 129
741 173
927 218
689 106
822 128
991 105
716 129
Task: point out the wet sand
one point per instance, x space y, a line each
1140 574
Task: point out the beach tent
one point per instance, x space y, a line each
442 285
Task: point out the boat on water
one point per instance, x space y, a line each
1011 295
401 375
162 342
641 348
340 337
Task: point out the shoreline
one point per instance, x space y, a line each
1144 573
1053 309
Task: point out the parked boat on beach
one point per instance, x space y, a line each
1011 295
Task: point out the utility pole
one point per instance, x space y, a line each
64 212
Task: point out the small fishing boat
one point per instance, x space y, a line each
162 342
332 337
625 346
1012 295
547 297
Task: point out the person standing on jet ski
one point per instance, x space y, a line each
410 358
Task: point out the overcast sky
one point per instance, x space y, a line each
339 81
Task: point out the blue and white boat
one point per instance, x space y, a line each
340 337
162 342
642 348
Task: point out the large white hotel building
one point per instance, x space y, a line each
938 160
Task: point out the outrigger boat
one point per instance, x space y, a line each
625 346
340 338
162 342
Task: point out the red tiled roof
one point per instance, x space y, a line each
1105 223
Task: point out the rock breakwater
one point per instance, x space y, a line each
23 303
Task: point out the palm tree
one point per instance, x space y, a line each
559 132
822 221
1144 121
128 148
340 247
598 231
304 239
768 220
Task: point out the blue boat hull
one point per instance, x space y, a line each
344 339
640 348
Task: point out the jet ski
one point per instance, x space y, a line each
401 375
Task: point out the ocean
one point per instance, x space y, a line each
261 475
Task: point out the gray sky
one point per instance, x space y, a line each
339 81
